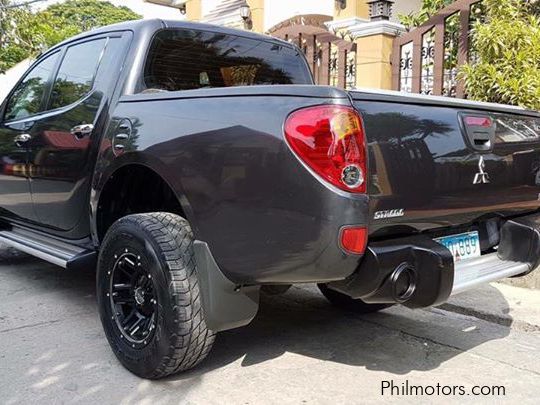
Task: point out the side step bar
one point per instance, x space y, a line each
481 270
51 250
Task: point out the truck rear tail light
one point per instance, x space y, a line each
330 140
353 239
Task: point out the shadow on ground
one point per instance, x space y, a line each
303 322
396 340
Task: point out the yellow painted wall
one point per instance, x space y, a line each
355 8
373 59
257 14
193 10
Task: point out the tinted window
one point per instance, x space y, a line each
27 97
76 74
187 59
111 62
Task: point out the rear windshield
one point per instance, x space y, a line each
189 59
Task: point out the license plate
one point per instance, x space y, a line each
463 246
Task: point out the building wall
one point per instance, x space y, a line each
208 5
276 11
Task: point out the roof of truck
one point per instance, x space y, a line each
156 23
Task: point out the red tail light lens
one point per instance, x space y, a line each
353 239
330 140
479 121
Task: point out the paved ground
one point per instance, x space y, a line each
299 349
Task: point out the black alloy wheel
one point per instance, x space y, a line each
132 298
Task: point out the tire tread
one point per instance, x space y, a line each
191 341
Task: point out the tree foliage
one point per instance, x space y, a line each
88 14
24 33
12 44
429 8
507 66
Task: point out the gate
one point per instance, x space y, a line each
332 58
426 59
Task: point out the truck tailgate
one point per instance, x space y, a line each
436 163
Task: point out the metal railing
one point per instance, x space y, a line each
332 58
427 59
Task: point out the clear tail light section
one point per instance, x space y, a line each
330 140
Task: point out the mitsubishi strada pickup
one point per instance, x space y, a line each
195 166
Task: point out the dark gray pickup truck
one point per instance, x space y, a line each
196 166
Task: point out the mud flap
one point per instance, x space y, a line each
225 305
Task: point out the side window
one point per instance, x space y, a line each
27 98
110 63
77 72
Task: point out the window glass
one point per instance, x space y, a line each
27 97
111 62
188 59
76 74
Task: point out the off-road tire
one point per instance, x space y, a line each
343 301
180 339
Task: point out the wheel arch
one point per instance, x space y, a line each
121 169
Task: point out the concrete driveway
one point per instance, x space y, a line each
298 350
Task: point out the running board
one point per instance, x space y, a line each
471 273
51 250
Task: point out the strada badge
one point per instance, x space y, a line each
389 214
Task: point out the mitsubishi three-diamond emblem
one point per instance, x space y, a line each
481 177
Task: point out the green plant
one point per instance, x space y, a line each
507 63
24 34
12 44
429 8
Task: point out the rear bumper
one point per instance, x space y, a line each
418 272
485 269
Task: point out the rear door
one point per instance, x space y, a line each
436 166
62 148
22 109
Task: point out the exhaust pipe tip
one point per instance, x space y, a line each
404 281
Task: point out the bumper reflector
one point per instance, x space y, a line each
353 239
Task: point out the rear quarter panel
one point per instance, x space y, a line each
264 216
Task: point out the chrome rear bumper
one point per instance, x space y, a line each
471 273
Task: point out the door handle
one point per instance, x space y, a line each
82 130
21 139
